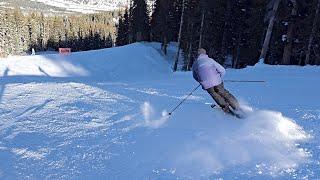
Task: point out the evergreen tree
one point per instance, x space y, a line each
9 32
315 28
291 31
20 31
108 41
123 30
160 23
140 29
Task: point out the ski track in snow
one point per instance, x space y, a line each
65 128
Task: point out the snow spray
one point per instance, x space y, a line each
148 113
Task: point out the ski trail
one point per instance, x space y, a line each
113 123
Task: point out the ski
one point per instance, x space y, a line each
213 106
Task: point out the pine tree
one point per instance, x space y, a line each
57 32
140 21
123 30
108 41
32 31
175 66
190 36
271 18
315 26
161 23
20 32
289 41
287 52
9 32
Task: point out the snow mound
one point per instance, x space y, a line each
131 62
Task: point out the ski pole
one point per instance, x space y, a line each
184 100
245 81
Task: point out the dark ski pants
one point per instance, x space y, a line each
223 97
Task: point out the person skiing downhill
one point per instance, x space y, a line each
209 74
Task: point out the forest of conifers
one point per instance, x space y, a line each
234 32
238 31
20 33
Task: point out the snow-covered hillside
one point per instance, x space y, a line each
86 6
68 6
103 114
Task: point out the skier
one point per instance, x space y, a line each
209 74
33 52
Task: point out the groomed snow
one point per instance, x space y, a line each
103 114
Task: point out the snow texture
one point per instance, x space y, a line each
104 114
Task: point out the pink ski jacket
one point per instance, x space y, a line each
207 71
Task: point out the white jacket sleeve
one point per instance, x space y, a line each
220 68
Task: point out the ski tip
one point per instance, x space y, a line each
213 105
240 116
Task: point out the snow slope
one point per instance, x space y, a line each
86 6
113 65
102 114
68 6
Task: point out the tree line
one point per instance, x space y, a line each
236 33
20 33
